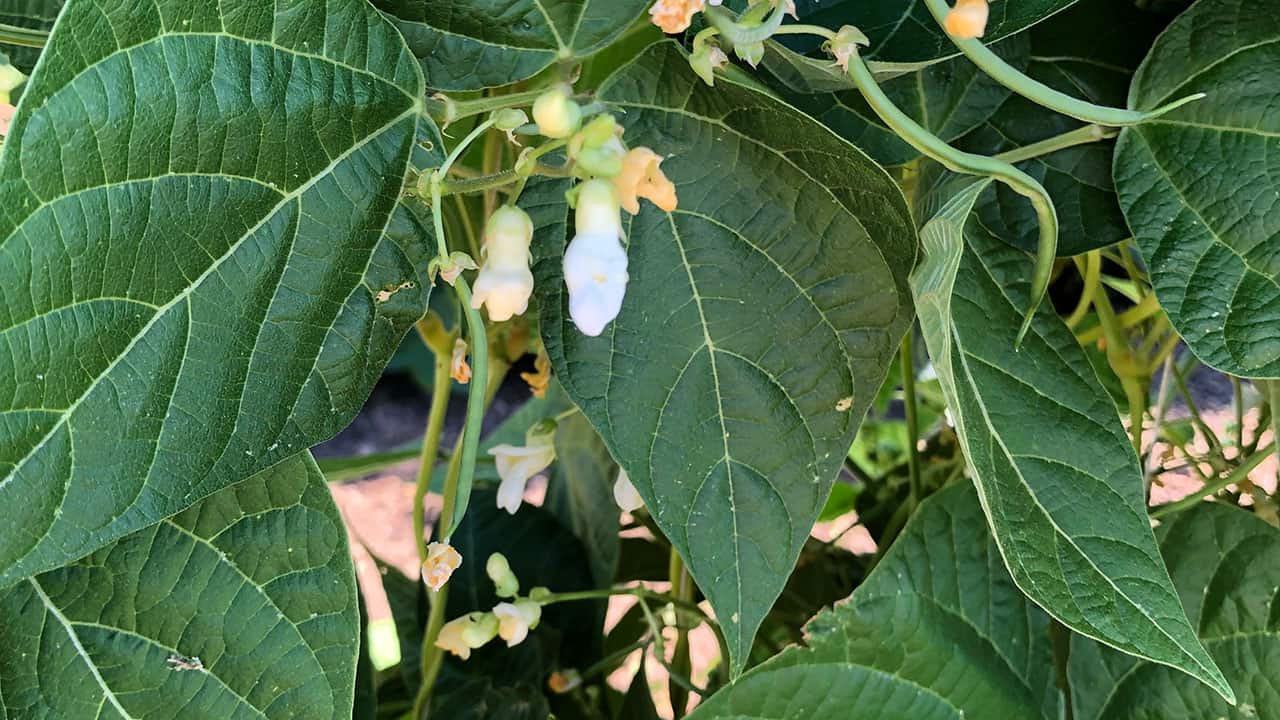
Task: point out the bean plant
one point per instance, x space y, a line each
761 275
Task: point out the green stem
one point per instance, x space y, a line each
1240 473
1079 136
1210 437
970 164
1041 94
445 110
24 37
1273 401
430 441
1237 402
1162 405
681 663
906 360
1092 276
735 34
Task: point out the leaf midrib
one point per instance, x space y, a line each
998 439
290 197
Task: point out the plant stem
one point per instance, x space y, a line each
1079 136
1240 473
682 589
1091 273
441 385
906 359
1237 402
1273 401
24 37
444 110
970 164
1210 437
1039 93
736 34
1162 404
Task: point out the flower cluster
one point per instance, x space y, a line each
613 178
510 620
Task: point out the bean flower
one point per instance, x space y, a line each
505 282
968 19
516 465
595 264
442 560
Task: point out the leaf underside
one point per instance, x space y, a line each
194 278
731 434
243 606
1057 476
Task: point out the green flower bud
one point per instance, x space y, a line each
479 629
499 571
509 119
557 115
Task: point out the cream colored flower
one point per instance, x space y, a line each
516 465
462 635
516 619
505 282
595 263
641 177
675 16
442 560
968 19
458 368
624 493
505 583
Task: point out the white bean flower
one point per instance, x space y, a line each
505 282
516 619
516 465
595 263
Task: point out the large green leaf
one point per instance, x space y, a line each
243 606
1058 478
938 631
1223 563
1090 51
903 31
760 319
1201 185
194 283
477 44
949 99
30 14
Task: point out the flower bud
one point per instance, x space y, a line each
509 119
499 571
595 263
539 594
480 629
505 282
752 53
597 150
556 114
459 369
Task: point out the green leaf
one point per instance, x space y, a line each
733 436
1089 51
1222 560
192 281
244 605
937 631
477 44
30 14
580 492
1058 478
903 31
1201 185
949 99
